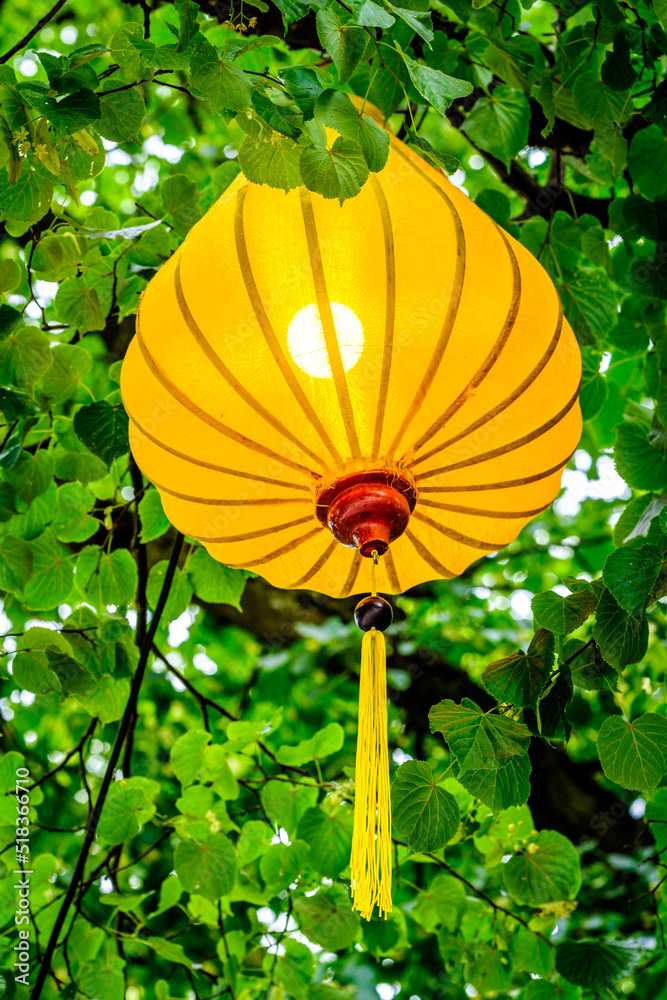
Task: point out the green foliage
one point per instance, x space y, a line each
519 679
547 869
238 774
634 754
427 815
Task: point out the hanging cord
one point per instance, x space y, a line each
371 841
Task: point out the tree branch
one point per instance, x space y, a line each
33 31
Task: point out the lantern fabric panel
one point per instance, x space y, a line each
291 340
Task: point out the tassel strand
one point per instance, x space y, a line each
371 842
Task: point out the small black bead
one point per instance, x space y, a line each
373 612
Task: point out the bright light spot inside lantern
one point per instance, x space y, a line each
306 343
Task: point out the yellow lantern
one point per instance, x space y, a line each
313 386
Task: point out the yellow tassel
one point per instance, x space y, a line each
371 839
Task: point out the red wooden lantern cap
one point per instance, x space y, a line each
367 510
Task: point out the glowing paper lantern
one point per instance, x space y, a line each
312 382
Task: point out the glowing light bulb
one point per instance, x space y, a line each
306 343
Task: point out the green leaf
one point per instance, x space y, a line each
283 864
69 365
31 672
422 811
562 614
327 919
125 903
295 971
489 971
599 104
588 670
32 475
52 577
552 722
79 306
418 20
441 905
180 592
125 810
329 835
209 868
180 200
7 502
531 953
547 871
254 840
292 10
74 677
271 159
444 160
86 940
188 12
596 964
545 97
129 50
647 160
590 304
634 754
109 701
56 257
118 577
170 951
81 465
622 639
499 123
71 522
641 464
338 172
29 199
285 804
10 276
213 582
15 565
345 43
103 429
630 574
223 85
278 118
171 891
75 112
519 679
187 755
24 355
303 84
593 394
9 319
438 88
104 979
500 787
478 740
122 115
373 16
154 521
336 110
326 741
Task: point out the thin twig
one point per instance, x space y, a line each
481 895
63 763
33 31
